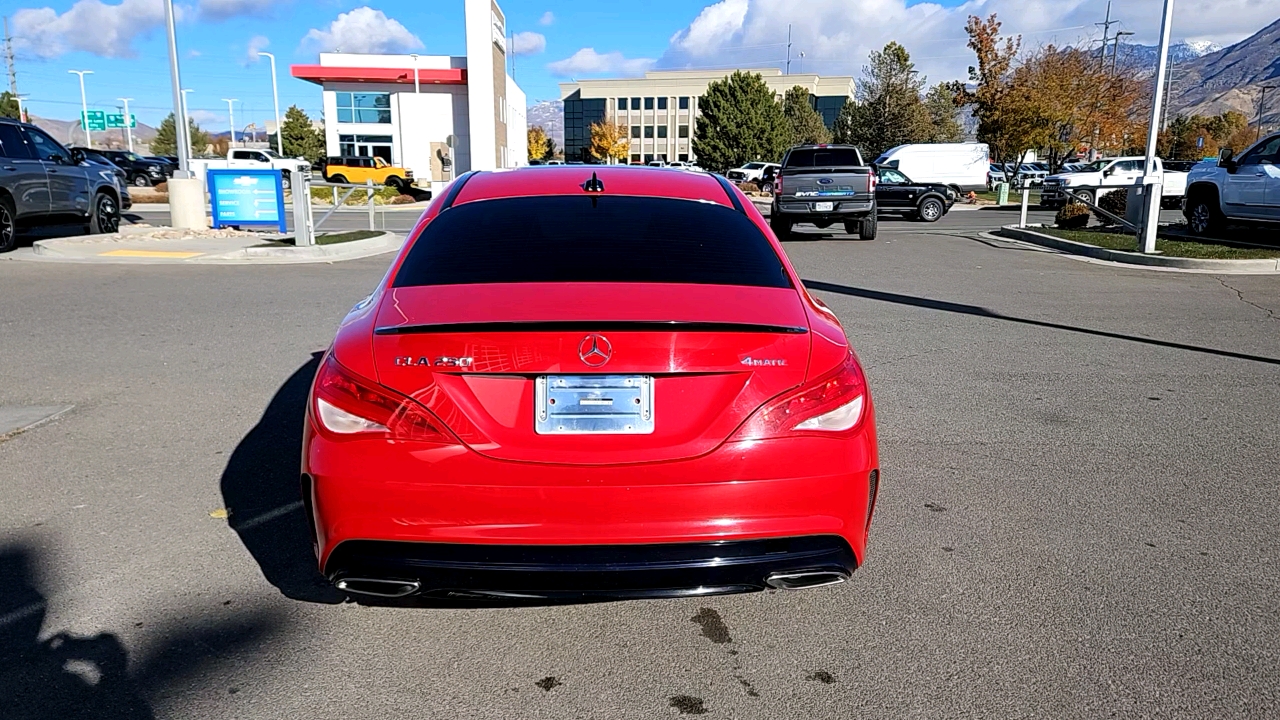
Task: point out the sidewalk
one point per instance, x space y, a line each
166 246
316 207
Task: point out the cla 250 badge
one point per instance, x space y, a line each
407 361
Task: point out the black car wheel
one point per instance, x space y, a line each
141 180
338 179
781 227
1202 217
931 209
8 225
767 188
867 228
284 179
105 217
395 182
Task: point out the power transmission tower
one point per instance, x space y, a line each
8 58
1106 30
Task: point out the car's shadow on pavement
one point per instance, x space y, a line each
262 492
67 677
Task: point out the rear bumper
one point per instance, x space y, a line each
549 572
795 487
805 210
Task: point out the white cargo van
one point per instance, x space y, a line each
963 166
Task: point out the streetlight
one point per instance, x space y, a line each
128 131
275 94
1152 180
1262 99
175 79
22 114
84 107
1116 49
186 122
231 116
416 89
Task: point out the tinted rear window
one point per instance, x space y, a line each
573 239
823 157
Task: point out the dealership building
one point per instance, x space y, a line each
436 115
660 110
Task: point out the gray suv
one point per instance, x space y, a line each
44 183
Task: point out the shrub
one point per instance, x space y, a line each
749 187
1072 216
402 200
1113 202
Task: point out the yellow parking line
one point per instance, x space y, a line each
175 254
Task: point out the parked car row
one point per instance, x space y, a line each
1088 181
43 182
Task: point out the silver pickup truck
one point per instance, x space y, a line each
824 185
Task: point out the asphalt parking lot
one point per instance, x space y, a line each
1078 515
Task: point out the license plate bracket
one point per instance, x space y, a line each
593 405
823 206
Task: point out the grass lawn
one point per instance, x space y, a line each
1015 196
1171 248
326 238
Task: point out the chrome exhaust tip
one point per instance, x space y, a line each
805 579
378 587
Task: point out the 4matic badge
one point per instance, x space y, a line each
763 362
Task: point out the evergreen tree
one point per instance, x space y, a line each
8 105
301 138
166 142
940 103
889 110
805 122
844 128
741 122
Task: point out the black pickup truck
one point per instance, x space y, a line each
824 185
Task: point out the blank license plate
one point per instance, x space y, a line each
823 207
593 405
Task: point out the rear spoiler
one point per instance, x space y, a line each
591 326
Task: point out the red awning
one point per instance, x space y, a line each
320 74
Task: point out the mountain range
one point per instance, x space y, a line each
549 114
68 132
1232 79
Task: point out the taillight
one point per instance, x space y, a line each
833 403
777 185
874 179
349 406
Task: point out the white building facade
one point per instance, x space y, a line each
437 115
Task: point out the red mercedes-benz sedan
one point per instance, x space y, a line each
589 382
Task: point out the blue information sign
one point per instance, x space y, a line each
246 197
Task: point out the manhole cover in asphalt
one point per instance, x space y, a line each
15 419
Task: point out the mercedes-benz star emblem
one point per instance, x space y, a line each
595 350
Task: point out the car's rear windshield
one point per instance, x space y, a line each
592 239
824 157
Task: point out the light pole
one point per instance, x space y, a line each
181 142
128 131
231 117
1262 99
275 94
1153 181
84 107
1115 51
186 122
22 114
416 88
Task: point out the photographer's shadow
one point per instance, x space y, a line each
261 490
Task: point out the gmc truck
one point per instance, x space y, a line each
824 185
1236 189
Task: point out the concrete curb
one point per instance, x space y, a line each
354 250
1259 266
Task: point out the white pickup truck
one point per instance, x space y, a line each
239 158
1111 172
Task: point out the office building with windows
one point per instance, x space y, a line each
407 108
660 110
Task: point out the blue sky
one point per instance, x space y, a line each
123 42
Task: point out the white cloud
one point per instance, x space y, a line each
837 36
547 18
257 43
363 30
589 62
224 9
528 43
89 25
207 118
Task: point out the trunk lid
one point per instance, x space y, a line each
474 355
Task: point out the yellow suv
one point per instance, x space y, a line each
359 169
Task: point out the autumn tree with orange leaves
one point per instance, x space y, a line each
1056 100
609 142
